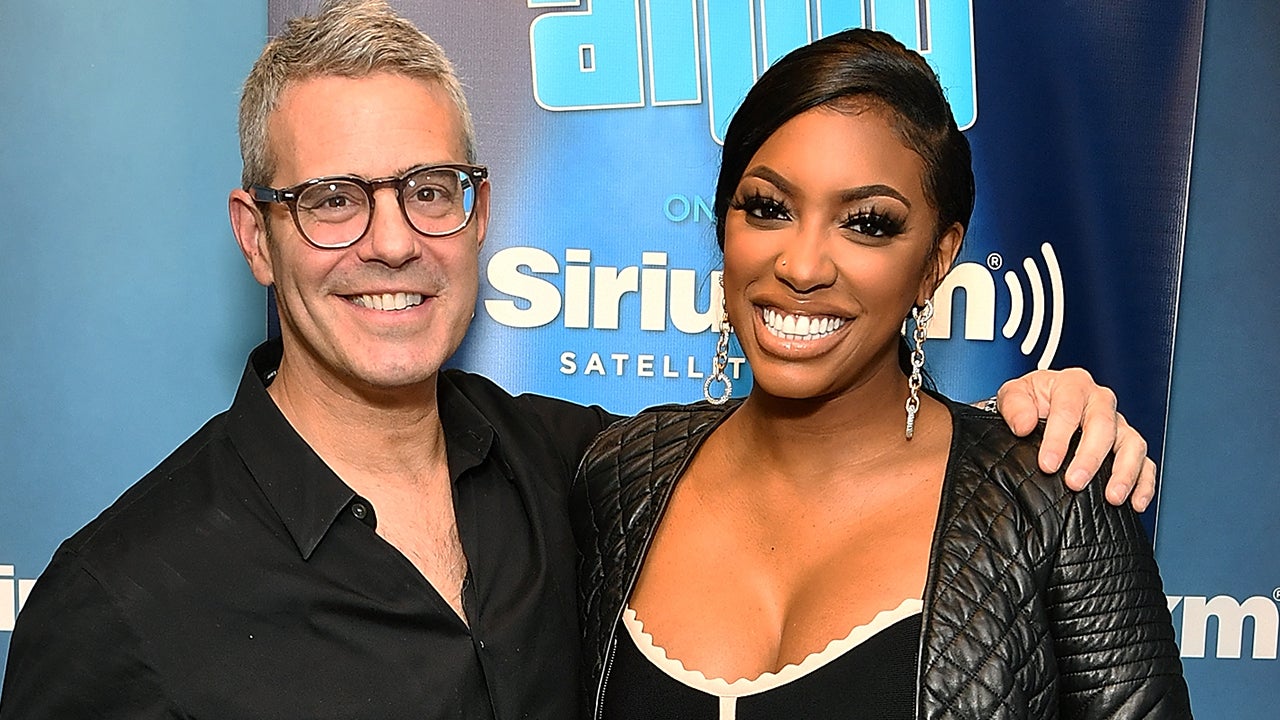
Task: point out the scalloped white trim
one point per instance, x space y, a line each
769 680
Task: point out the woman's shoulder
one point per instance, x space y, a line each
981 439
990 463
660 426
646 450
628 471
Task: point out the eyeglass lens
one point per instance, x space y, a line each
436 201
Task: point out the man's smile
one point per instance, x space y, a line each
387 301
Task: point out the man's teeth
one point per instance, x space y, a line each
800 327
388 301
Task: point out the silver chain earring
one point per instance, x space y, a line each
921 317
721 359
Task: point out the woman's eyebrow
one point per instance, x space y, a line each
862 192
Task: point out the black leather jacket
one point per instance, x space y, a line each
1039 603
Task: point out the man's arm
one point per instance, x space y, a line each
73 654
1070 399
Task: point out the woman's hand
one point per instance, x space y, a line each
1070 399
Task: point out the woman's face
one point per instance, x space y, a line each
828 244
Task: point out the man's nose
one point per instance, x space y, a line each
390 239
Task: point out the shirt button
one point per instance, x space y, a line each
359 510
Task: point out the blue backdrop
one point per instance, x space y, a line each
129 308
131 311
1220 514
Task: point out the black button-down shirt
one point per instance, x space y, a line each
243 579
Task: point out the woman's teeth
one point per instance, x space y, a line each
800 327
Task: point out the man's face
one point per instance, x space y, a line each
386 312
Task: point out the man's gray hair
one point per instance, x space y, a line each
347 38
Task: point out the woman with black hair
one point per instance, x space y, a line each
844 542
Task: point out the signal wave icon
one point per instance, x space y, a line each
1039 303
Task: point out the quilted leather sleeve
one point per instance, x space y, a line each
1113 637
1042 602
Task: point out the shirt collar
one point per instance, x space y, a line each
305 493
468 434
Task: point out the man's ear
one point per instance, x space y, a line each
940 263
481 212
250 228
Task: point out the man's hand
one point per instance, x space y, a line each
1068 399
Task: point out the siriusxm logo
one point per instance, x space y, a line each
1046 302
608 54
13 595
539 290
592 295
1229 617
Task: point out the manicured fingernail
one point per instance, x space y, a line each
1077 479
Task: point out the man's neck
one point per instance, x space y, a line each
387 446
365 434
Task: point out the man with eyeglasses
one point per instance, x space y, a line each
361 535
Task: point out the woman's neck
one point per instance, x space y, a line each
817 440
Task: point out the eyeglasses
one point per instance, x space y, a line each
336 211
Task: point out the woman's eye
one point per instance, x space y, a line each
763 208
874 224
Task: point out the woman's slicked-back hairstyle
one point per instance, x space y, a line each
346 38
854 70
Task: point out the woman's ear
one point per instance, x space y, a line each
940 264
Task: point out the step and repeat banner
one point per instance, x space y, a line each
600 121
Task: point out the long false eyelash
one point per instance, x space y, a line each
755 198
877 224
758 200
